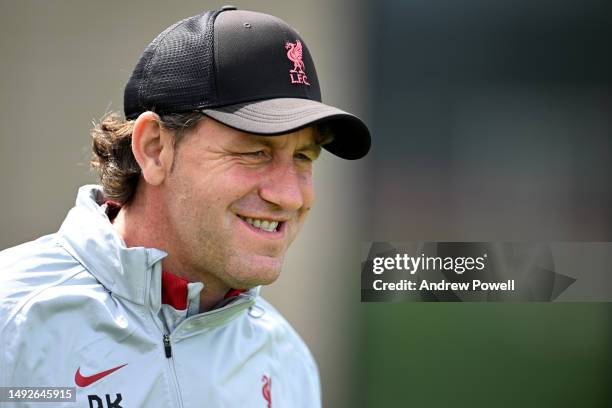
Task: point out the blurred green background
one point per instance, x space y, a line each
491 122
487 355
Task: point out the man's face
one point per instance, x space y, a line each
236 201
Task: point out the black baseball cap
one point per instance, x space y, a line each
248 70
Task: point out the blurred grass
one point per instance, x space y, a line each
487 355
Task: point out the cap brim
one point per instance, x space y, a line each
283 115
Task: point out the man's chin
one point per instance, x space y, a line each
255 271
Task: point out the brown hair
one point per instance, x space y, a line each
112 157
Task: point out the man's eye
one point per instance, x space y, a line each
258 153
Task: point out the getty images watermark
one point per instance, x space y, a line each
412 264
485 271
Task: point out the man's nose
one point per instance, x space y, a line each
284 186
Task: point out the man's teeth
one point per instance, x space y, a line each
265 225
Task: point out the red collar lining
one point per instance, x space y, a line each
233 292
174 291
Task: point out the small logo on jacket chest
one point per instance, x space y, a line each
266 390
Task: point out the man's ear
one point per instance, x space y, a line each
153 148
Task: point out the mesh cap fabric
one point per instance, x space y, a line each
247 70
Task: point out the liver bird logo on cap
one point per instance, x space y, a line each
294 53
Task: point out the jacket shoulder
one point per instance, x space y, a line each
282 331
275 321
28 269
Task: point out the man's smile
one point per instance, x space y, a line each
265 227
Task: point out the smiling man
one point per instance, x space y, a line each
148 295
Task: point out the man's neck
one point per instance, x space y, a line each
138 229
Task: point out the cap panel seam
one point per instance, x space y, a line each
215 53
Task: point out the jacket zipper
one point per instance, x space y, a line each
168 352
167 346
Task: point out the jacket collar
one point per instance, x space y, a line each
89 237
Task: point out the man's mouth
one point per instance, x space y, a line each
263 224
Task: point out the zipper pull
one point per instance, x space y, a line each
167 347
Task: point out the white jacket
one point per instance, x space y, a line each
78 303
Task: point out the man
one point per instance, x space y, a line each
148 295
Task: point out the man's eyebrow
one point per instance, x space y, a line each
248 142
